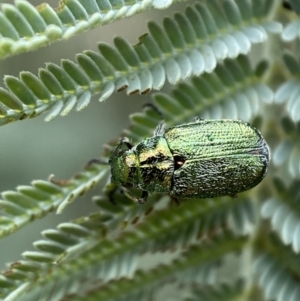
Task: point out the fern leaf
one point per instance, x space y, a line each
31 202
286 153
277 270
291 31
284 213
224 292
288 92
233 90
197 259
188 44
26 28
178 228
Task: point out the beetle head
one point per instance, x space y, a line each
124 165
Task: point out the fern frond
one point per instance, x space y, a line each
26 28
196 260
277 270
287 152
125 213
233 90
17 208
223 292
288 93
284 213
187 44
162 230
291 30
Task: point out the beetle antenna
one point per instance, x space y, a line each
154 108
123 141
129 195
96 161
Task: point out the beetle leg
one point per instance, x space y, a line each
175 200
197 119
159 131
110 191
126 141
111 200
143 198
129 195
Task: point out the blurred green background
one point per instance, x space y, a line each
33 149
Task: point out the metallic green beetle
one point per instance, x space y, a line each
202 159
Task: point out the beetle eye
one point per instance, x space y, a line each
178 161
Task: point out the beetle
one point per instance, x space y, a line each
201 159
